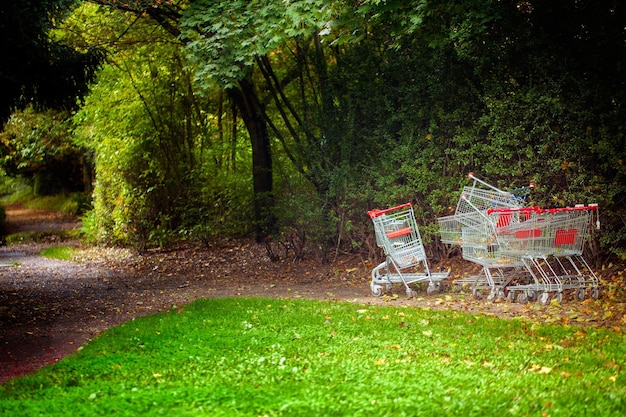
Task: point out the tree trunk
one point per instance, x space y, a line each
252 113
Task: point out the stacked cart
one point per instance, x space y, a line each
397 234
550 244
527 253
473 230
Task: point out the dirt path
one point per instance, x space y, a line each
49 308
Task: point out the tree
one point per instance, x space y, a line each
242 92
163 168
35 67
375 101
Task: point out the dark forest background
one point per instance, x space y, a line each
190 119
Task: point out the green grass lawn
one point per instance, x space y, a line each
269 357
58 252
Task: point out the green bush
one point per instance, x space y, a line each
37 146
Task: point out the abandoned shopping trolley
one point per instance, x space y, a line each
473 230
397 234
473 204
549 243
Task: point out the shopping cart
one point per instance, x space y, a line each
549 243
397 234
475 200
471 228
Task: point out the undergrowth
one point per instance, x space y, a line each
72 203
269 357
59 252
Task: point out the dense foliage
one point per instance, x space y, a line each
37 146
294 118
34 66
160 168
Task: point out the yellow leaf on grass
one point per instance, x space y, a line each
540 369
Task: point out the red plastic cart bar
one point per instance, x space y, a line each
565 237
399 233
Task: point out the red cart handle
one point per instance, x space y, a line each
539 210
509 210
375 213
578 207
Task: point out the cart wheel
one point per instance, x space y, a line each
441 286
510 297
388 286
432 288
477 294
522 297
559 297
595 293
493 294
411 293
581 294
377 290
544 298
531 295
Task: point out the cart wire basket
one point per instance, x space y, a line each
398 235
473 203
550 244
474 231
527 253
